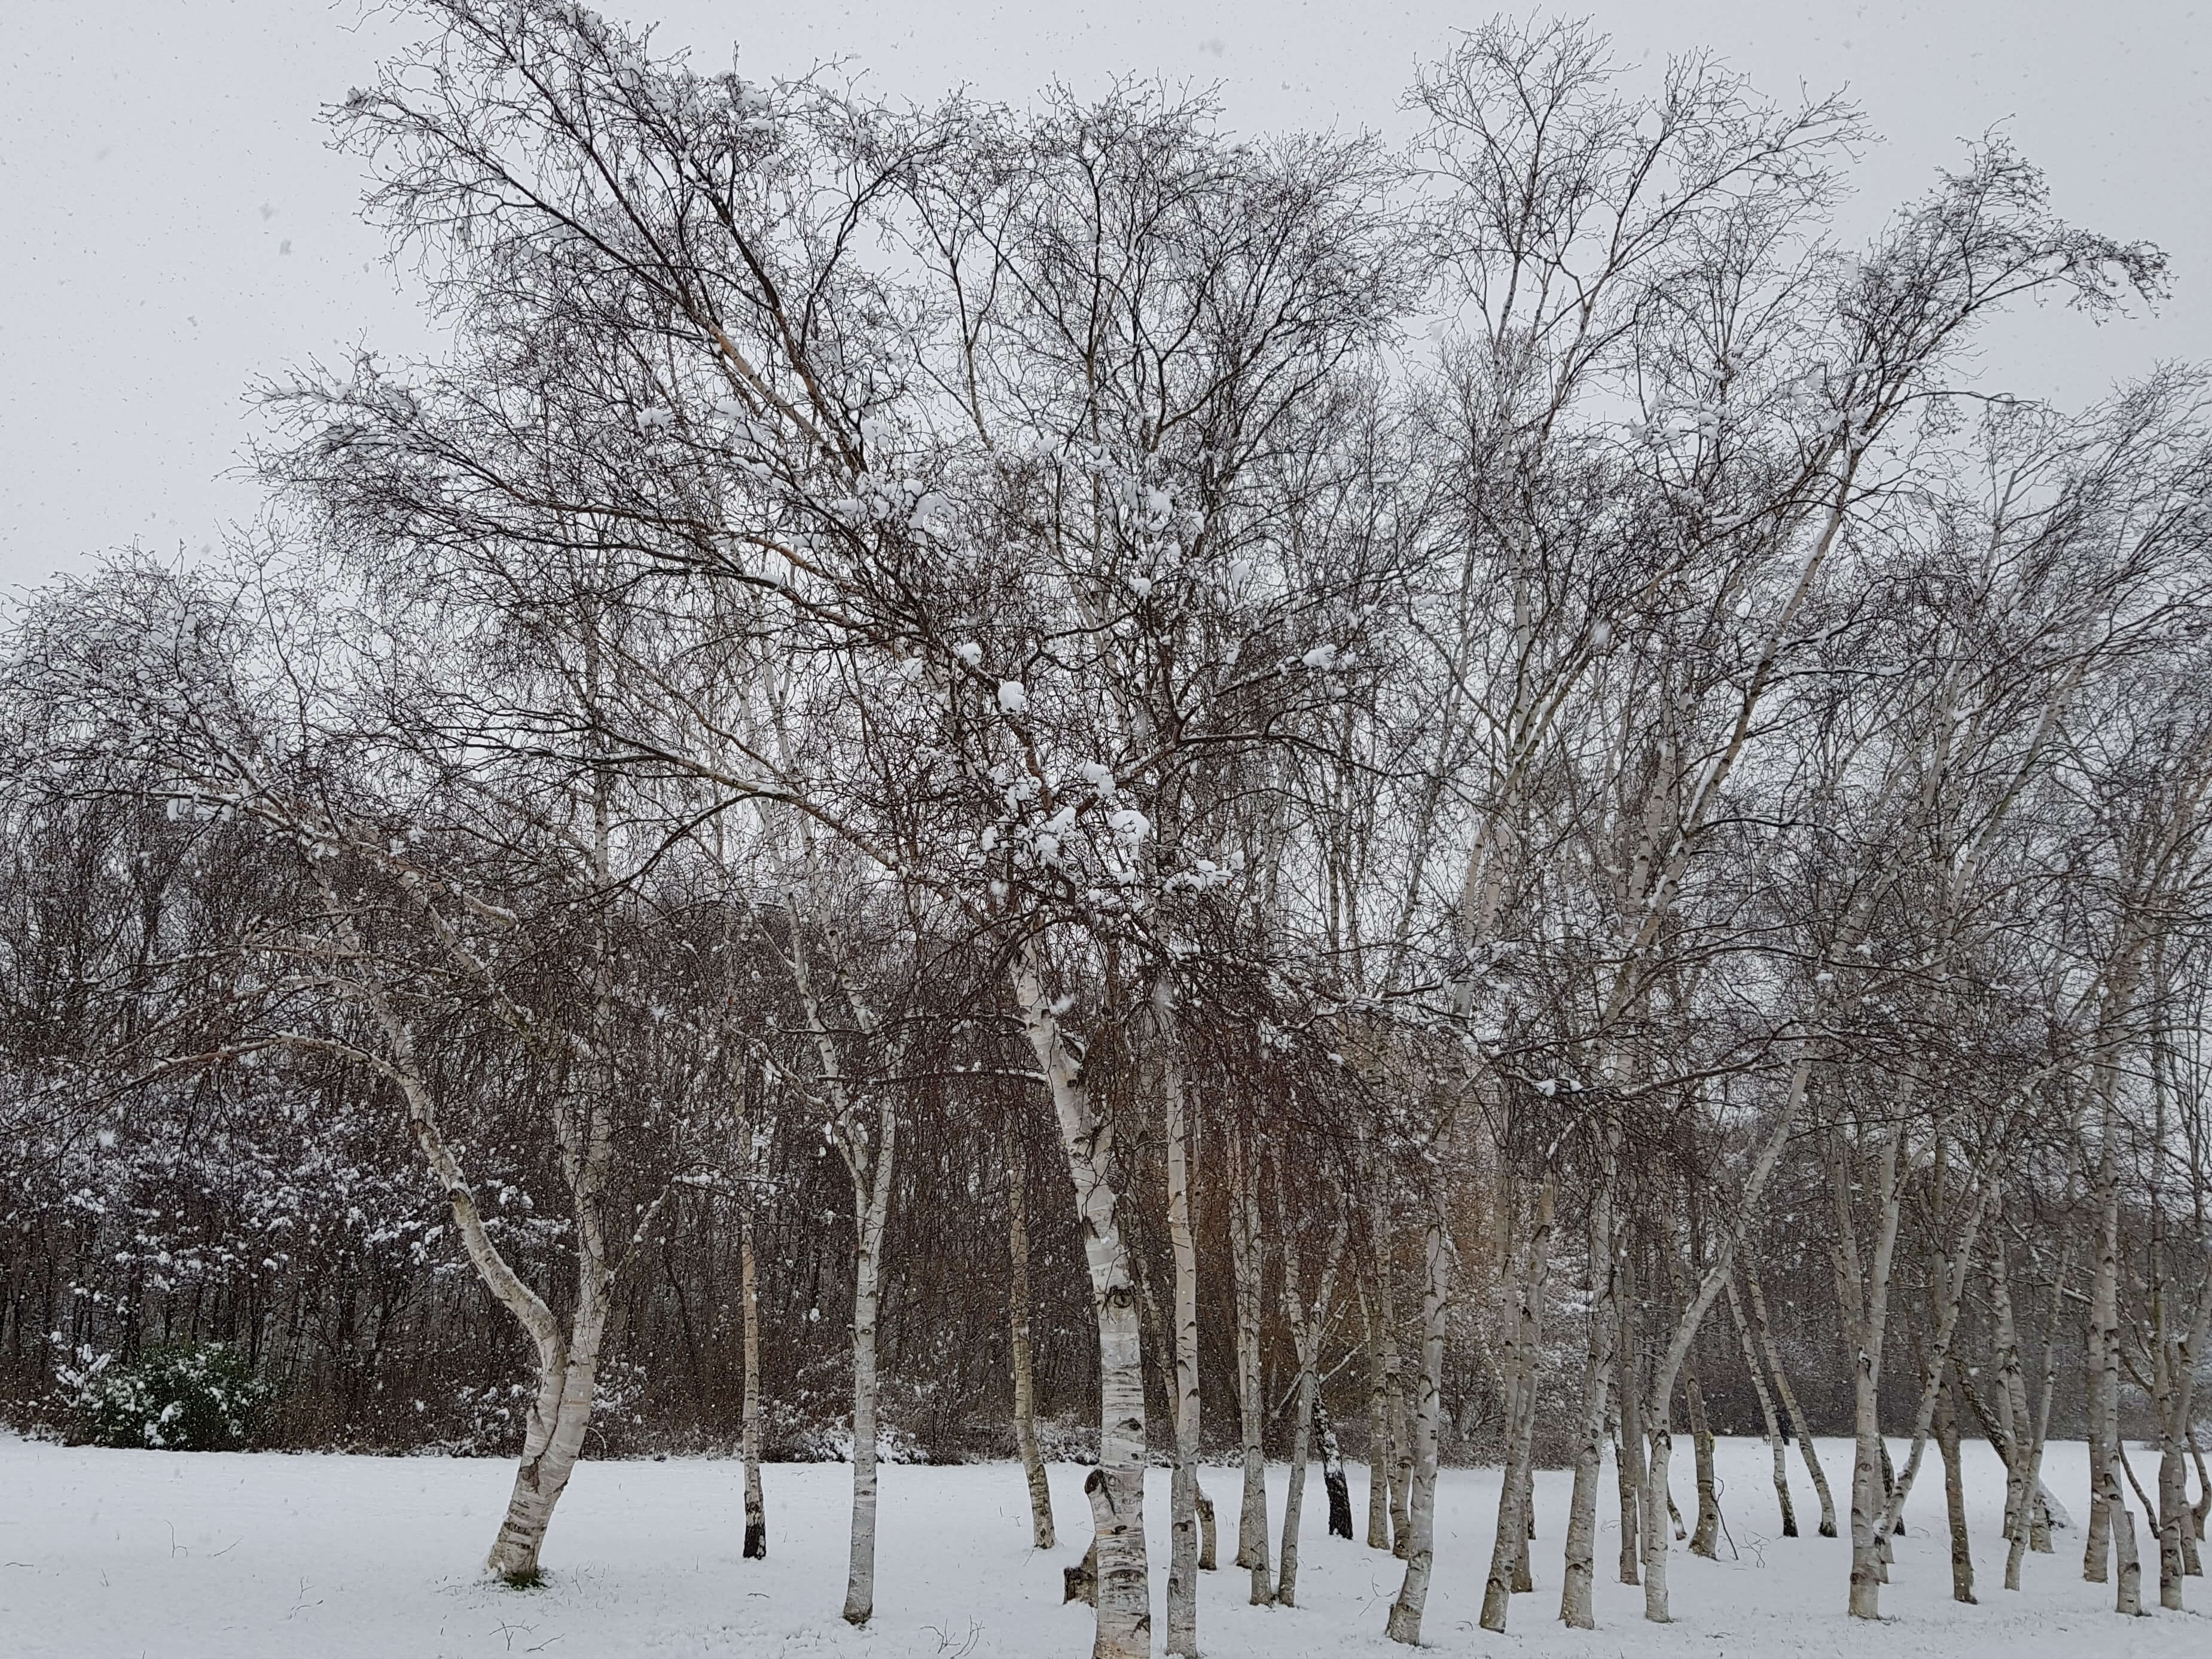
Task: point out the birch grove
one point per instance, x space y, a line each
1050 783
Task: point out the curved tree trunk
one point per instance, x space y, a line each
555 1440
1658 1506
1788 1398
1775 1439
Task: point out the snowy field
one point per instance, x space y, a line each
120 1554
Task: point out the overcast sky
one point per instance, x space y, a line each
173 226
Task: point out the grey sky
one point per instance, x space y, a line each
172 227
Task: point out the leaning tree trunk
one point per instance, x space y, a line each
1776 1442
1116 1486
1954 1496
1658 1408
568 1360
2127 1590
1405 1622
1949 1288
1018 1320
874 1206
1704 1537
558 1419
1581 1556
1247 1263
1788 1395
2175 1523
1307 1324
2034 1525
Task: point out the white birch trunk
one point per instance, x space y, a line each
1757 1371
873 1204
1183 1548
1405 1622
1632 1366
1658 1506
1580 1566
1116 1487
1865 1306
1307 1325
2103 1361
1247 1263
1954 1498
1018 1343
1705 1534
555 1440
1380 1387
1508 1548
1788 1398
2127 1598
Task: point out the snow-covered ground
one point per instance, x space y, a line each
119 1554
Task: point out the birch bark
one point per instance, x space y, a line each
1380 1387
1509 1544
871 1193
1247 1263
1405 1621
1019 1341
1307 1324
1183 1548
1633 1366
1775 1439
1116 1487
1580 1565
1806 1449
